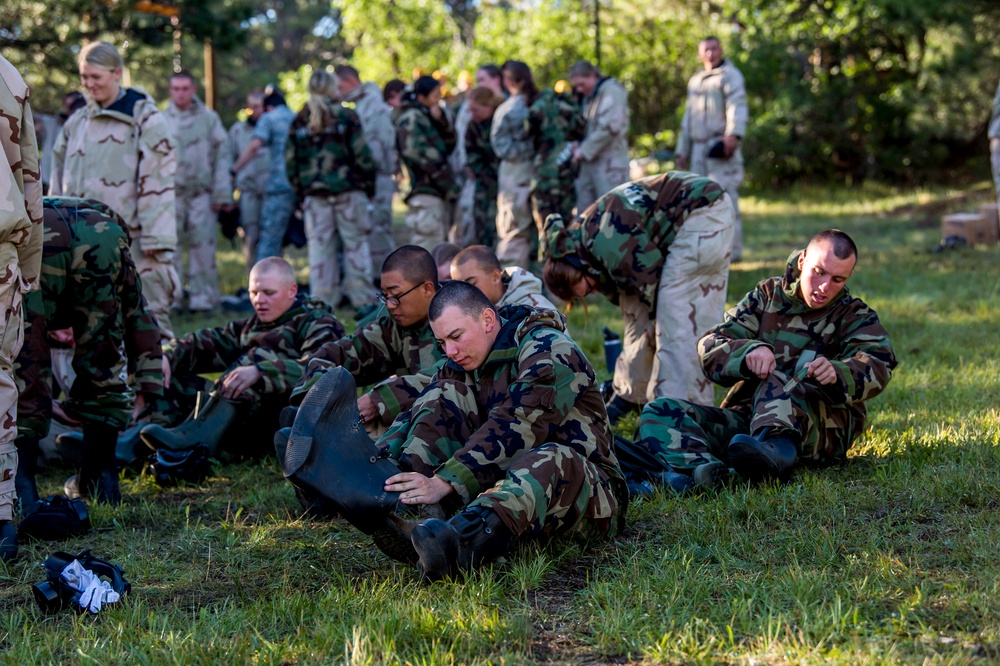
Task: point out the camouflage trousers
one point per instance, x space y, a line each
197 229
342 217
660 358
160 285
995 159
463 224
250 210
274 214
484 212
550 489
381 241
599 177
729 174
12 287
515 223
427 218
685 435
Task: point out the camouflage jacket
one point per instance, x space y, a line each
20 181
553 121
400 360
535 387
252 177
607 115
523 288
716 106
124 156
507 133
479 155
279 349
846 331
424 145
622 239
203 158
376 123
90 284
333 162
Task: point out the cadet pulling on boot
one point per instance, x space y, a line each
91 287
511 436
802 356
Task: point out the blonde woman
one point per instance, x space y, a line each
119 150
330 166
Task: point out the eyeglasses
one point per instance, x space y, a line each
386 299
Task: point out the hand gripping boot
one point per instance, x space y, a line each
472 538
207 427
763 457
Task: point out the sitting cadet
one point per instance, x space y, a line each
260 359
802 356
511 434
478 265
395 347
90 286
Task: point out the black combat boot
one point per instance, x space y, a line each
766 456
675 482
8 540
472 538
711 476
98 475
212 419
24 480
129 451
619 408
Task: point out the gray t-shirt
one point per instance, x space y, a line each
272 129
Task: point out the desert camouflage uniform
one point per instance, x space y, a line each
523 288
526 434
716 106
483 162
424 145
380 135
515 150
201 181
20 254
553 121
335 173
657 246
604 151
251 182
828 418
124 156
994 135
280 350
89 284
400 360
279 198
463 225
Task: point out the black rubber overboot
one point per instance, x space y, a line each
330 455
766 456
474 537
129 450
8 541
207 427
619 408
711 476
98 476
675 482
24 480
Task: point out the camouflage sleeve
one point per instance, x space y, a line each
611 120
724 348
735 92
206 350
293 145
397 394
281 372
418 151
29 253
364 162
155 196
507 133
142 334
553 374
222 182
475 155
865 365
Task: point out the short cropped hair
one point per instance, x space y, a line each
583 68
466 297
346 71
844 246
443 253
275 265
183 74
414 262
485 258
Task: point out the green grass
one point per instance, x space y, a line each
890 558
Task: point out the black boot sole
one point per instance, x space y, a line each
753 464
437 547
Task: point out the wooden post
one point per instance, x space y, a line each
211 91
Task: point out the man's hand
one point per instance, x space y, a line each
822 370
239 380
415 488
730 143
681 162
760 361
61 416
165 365
368 408
436 111
63 336
153 254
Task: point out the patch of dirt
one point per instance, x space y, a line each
928 216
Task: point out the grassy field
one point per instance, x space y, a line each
890 558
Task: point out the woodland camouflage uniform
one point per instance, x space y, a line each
483 162
525 434
202 179
827 418
335 173
89 284
553 121
20 254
